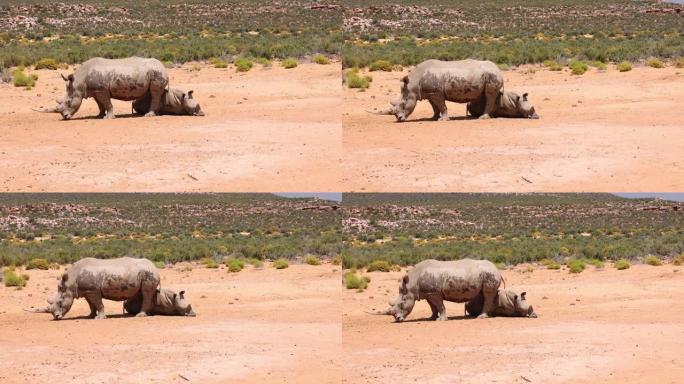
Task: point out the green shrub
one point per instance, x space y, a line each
501 266
553 65
13 280
288 63
353 281
679 62
503 66
218 63
553 265
599 65
379 265
596 263
160 264
337 260
678 260
38 264
653 260
256 263
576 266
209 262
621 264
380 65
654 62
235 265
21 79
312 260
167 64
47 64
264 61
624 66
281 263
354 80
320 59
578 67
243 64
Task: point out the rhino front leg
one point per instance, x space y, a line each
96 306
439 107
101 107
104 101
93 308
438 308
435 110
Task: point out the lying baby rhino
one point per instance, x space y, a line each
174 102
165 302
507 303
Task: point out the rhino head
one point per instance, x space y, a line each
181 306
402 306
404 106
190 105
524 108
72 102
61 303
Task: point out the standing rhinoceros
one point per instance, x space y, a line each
507 303
441 81
508 104
436 281
106 79
165 302
113 279
174 102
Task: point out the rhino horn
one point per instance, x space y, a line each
388 111
39 310
388 311
46 110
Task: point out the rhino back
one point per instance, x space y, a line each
457 281
123 79
459 81
114 279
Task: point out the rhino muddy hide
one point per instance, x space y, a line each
506 303
174 102
112 279
437 281
165 302
508 104
106 79
441 81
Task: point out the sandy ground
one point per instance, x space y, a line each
604 326
256 326
265 130
603 131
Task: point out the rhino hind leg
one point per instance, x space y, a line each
491 93
474 306
157 87
142 105
134 304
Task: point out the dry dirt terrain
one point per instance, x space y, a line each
265 130
604 131
256 326
604 326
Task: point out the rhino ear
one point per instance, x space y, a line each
405 79
522 295
190 94
405 280
181 294
183 96
524 96
517 99
65 277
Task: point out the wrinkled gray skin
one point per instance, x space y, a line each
508 104
165 302
506 303
113 279
441 81
438 281
174 102
121 79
